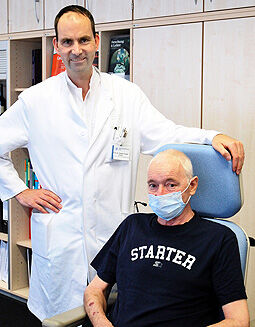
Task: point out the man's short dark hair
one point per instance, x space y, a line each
77 9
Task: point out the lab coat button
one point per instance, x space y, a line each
83 133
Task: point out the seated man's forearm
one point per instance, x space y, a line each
236 315
95 306
229 323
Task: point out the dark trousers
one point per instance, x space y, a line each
14 313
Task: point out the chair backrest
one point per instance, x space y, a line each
219 193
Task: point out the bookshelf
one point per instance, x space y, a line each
21 67
154 29
104 47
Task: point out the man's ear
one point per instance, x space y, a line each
55 44
97 41
193 185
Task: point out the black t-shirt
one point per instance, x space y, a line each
170 275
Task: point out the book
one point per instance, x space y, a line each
31 179
32 182
1 217
29 263
119 57
2 100
36 66
5 216
4 261
57 64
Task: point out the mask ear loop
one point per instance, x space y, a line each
186 190
187 186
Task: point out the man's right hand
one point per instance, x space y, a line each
40 199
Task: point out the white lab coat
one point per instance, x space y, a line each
97 192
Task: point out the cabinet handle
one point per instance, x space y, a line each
87 4
36 14
195 2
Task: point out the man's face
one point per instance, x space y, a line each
76 44
167 176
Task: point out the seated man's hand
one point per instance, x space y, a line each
227 147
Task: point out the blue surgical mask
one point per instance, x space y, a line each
168 206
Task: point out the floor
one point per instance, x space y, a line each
14 313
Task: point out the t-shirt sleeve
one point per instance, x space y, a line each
106 260
227 274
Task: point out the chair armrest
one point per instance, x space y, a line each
70 318
74 317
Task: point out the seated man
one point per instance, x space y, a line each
172 268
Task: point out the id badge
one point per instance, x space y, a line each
120 152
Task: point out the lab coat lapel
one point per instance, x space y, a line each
103 111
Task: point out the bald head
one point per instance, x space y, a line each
170 171
172 158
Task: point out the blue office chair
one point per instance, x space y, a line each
219 194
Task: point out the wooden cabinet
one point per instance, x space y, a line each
167 66
228 105
3 17
19 78
25 15
158 8
105 11
21 67
53 7
229 97
18 237
227 4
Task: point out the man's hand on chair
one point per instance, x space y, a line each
229 148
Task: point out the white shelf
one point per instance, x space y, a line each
25 244
23 292
4 237
3 285
20 89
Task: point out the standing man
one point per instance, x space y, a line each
84 131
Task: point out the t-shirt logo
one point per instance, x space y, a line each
158 264
164 253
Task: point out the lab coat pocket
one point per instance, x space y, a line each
40 233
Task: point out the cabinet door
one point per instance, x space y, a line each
105 11
167 66
229 98
3 17
25 15
157 8
227 4
53 7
